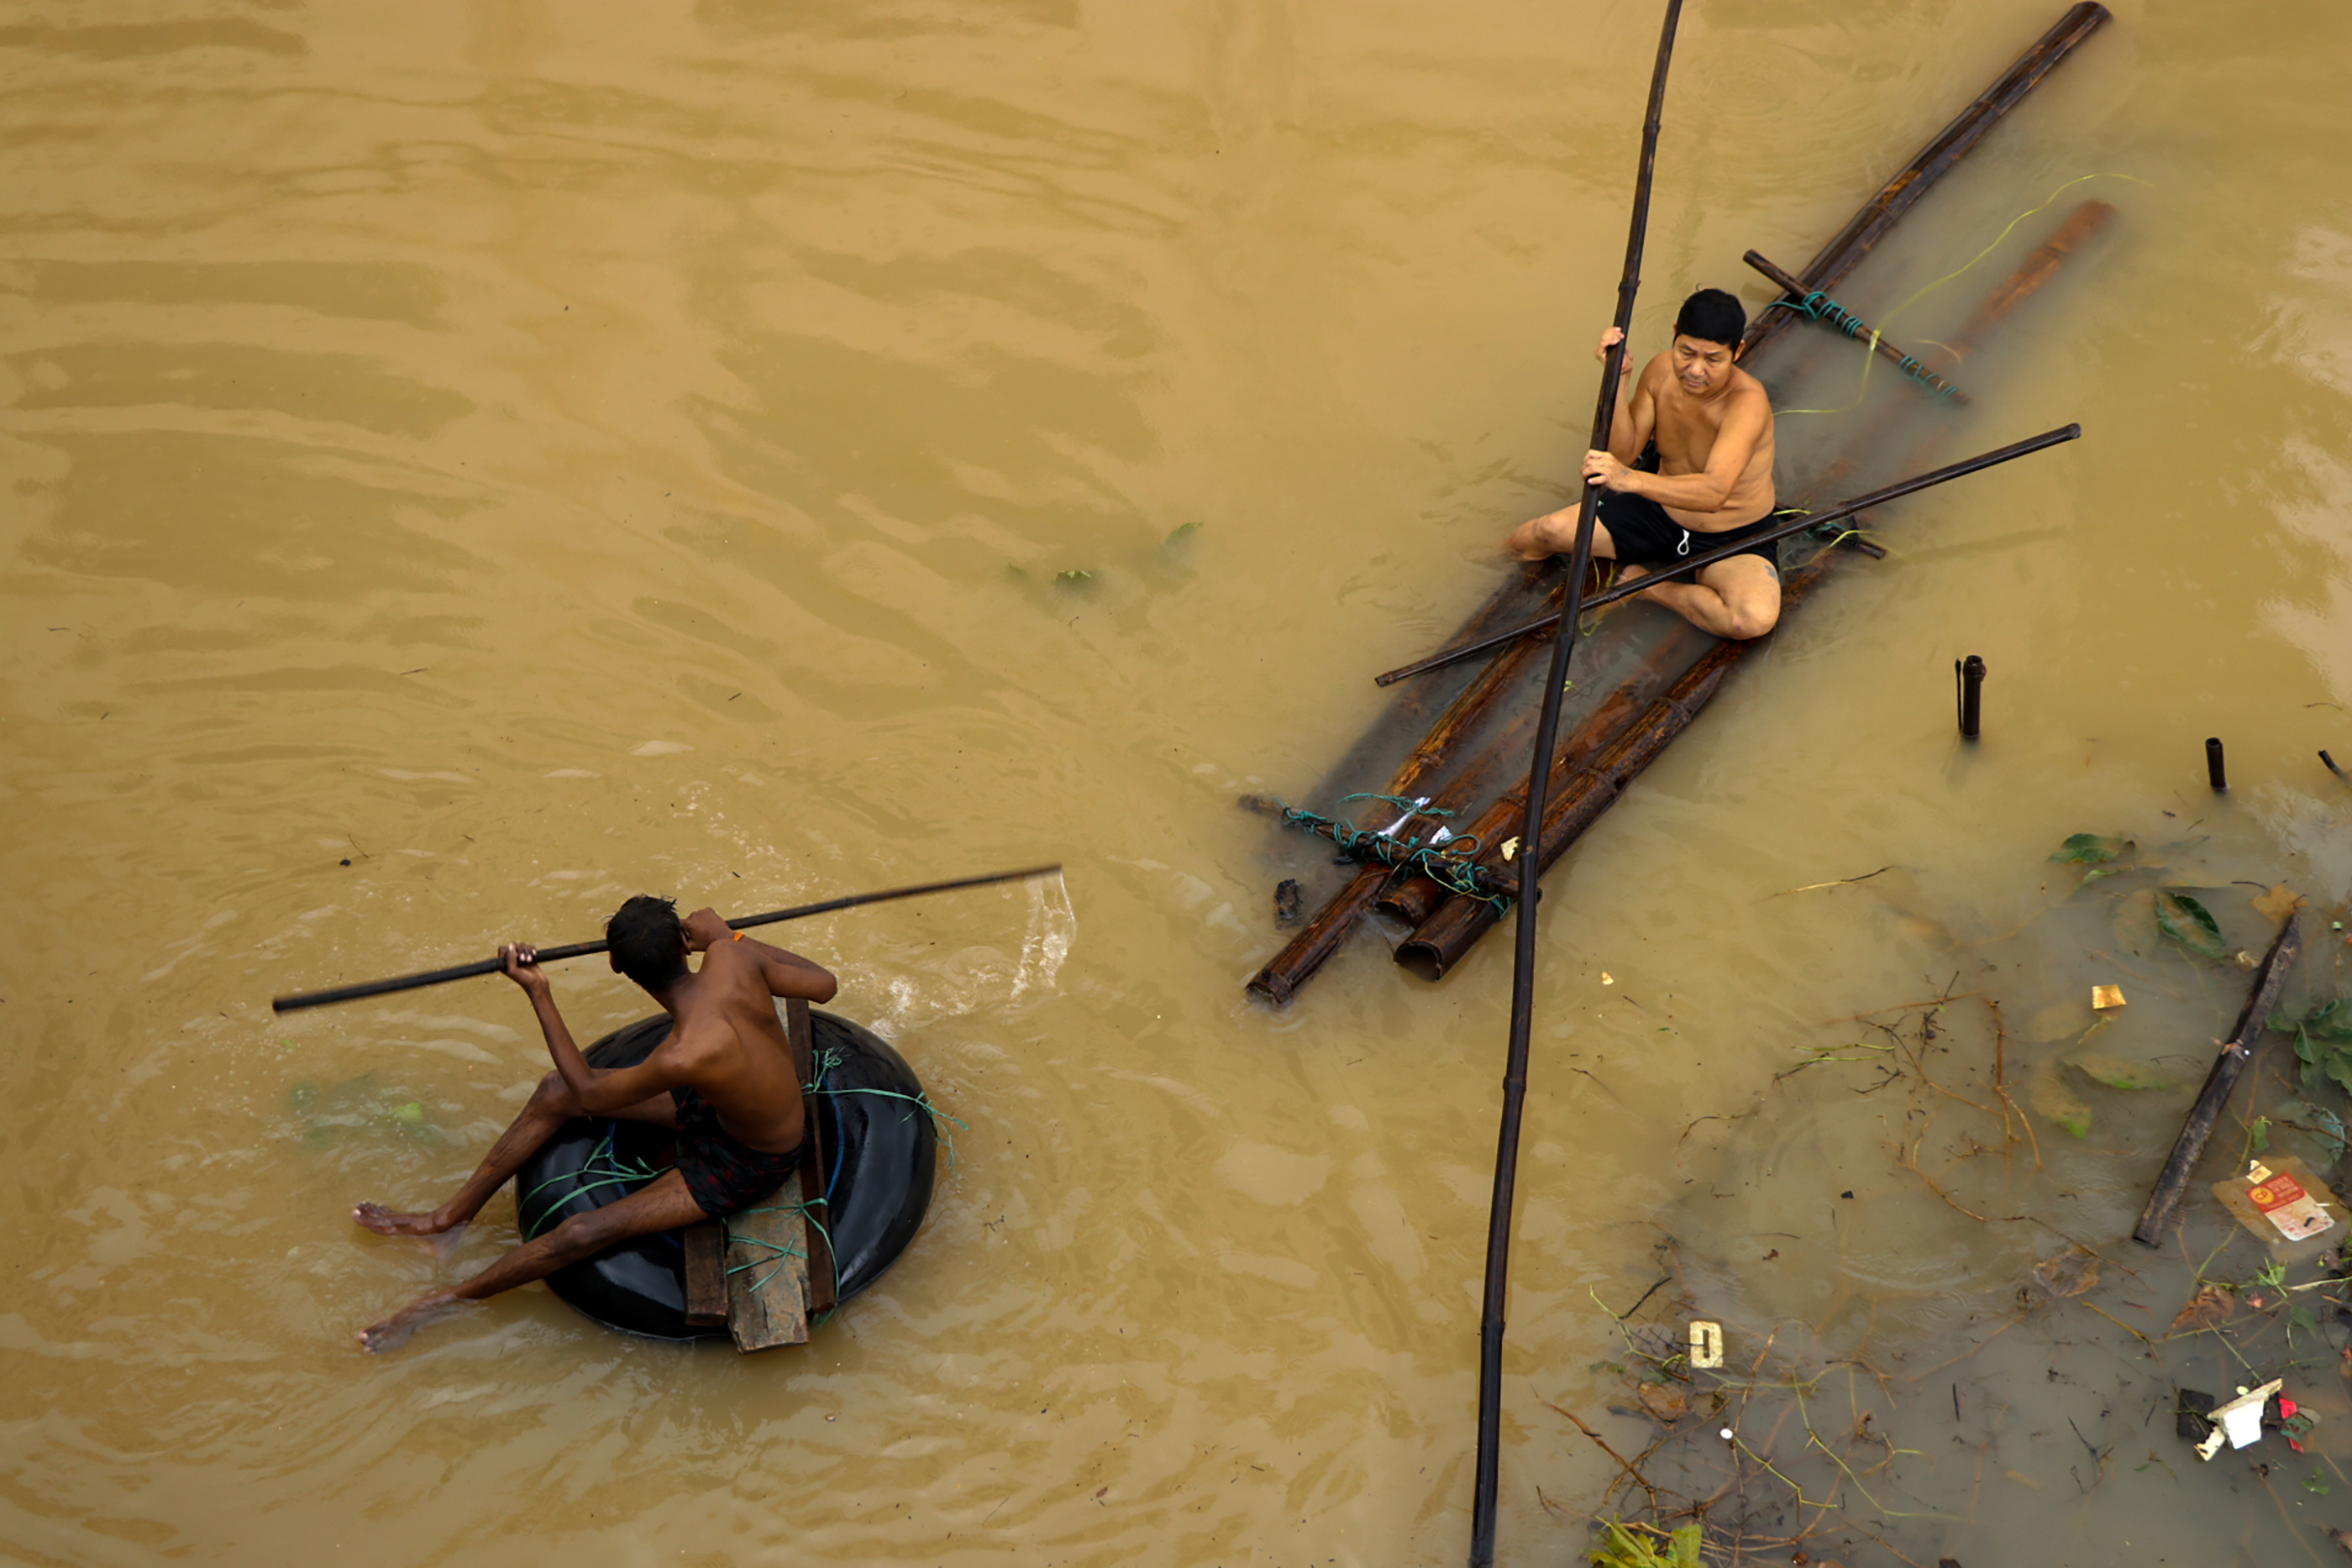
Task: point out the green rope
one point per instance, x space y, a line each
603 1167
1450 861
1820 307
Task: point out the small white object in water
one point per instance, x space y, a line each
1606 979
1728 1437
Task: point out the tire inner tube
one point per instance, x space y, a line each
879 1146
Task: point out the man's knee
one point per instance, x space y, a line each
1753 618
583 1235
554 1094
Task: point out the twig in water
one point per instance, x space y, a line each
1838 882
1627 1464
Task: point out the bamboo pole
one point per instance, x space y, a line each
1320 938
2236 1052
1797 298
1484 1479
1847 247
1448 935
1413 898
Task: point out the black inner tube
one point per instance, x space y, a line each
879 1145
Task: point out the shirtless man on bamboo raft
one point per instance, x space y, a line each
1712 426
723 1079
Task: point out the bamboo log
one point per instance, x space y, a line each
1320 938
2236 1052
1484 1479
1447 936
1413 898
1877 343
1847 247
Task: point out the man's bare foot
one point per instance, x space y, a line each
386 1221
393 1332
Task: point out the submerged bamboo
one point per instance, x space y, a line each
1523 967
1847 247
1304 954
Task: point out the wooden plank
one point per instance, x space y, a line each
822 1282
767 1271
706 1275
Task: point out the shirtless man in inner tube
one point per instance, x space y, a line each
723 1079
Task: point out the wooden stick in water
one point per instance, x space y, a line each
582 949
2236 1052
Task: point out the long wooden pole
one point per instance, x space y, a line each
582 949
1523 973
1668 571
2236 1052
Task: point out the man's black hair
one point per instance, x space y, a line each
648 943
1715 316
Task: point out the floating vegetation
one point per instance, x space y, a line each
360 1105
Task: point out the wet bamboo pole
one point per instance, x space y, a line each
1307 952
1412 898
1448 935
1847 247
2236 1052
1708 557
1484 1479
1797 299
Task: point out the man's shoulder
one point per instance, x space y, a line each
1746 388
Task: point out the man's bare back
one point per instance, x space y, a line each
1712 424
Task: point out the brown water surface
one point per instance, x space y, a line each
467 462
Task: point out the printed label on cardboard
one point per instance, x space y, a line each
2296 1213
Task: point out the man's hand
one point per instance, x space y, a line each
1609 340
704 929
522 966
1605 471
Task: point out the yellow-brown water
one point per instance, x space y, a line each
538 453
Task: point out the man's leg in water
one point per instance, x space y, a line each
551 1106
663 1205
1736 599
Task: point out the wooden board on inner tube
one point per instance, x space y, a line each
767 1271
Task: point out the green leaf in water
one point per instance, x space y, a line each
2327 1126
1181 532
1073 574
2055 1100
2187 922
2315 1482
2258 1134
2119 1071
2299 1317
2091 876
411 1115
2089 849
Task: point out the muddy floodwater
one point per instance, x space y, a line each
463 463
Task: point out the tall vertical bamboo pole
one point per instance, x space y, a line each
1523 974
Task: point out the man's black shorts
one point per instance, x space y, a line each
1645 536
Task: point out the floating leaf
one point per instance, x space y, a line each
2258 1136
1073 574
2120 1073
2278 903
2208 1306
410 1114
2055 1100
2316 1483
2089 849
2299 1316
2068 1273
2091 876
2187 922
2327 1126
1180 532
1665 1402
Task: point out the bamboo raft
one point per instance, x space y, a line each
1478 723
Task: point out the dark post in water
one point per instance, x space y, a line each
2214 771
1970 673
